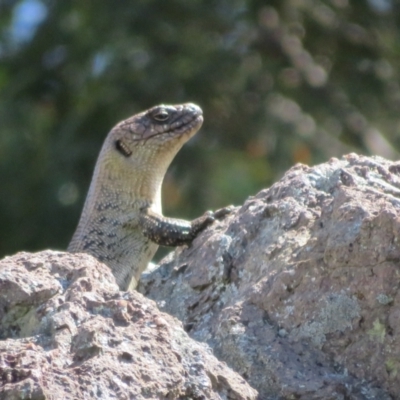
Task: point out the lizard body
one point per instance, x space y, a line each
121 223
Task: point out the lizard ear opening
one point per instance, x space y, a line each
123 148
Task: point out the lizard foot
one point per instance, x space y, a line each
222 212
209 217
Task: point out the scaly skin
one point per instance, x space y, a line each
121 222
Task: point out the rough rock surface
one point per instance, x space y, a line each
68 333
298 289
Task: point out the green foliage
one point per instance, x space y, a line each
280 82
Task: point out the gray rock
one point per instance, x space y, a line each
68 333
298 289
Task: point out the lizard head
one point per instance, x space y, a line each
138 150
159 129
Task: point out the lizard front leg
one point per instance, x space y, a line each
175 232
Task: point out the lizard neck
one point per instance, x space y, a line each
122 186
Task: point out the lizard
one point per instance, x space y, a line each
121 222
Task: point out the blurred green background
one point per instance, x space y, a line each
280 82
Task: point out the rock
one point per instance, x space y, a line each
68 333
298 289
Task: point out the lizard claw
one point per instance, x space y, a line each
209 217
222 212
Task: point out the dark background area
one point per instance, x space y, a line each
280 82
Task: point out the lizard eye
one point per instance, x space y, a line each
161 116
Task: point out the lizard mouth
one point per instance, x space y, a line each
185 127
